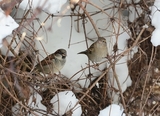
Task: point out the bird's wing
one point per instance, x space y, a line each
91 48
47 60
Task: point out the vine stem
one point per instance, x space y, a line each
89 17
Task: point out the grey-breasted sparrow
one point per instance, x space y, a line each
97 51
53 63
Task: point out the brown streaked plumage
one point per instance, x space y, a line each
97 51
53 63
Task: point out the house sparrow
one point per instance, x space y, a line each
97 51
53 63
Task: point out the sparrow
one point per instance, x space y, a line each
97 51
52 63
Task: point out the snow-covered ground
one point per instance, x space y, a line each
7 25
155 16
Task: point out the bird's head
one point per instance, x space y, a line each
61 54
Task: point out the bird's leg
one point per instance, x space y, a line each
89 67
90 75
60 74
108 57
95 65
54 76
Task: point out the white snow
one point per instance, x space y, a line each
155 14
62 102
65 101
50 6
34 103
155 38
112 110
121 67
155 18
7 25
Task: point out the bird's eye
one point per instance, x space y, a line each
104 41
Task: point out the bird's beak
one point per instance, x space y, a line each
83 52
64 55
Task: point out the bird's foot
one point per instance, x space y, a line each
96 66
60 74
90 75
